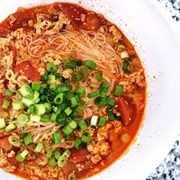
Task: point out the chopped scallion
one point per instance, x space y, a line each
14 140
51 67
56 138
28 139
10 127
8 93
67 130
17 105
102 121
2 123
22 120
39 147
90 64
118 90
6 104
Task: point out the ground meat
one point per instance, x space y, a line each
103 132
115 33
96 158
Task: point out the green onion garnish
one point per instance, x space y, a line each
8 93
56 138
94 94
51 67
102 121
28 139
118 90
6 104
90 64
82 124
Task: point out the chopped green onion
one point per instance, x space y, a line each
82 124
72 176
39 109
59 98
41 90
45 77
22 119
27 102
102 121
118 90
50 98
62 161
53 117
82 73
94 94
101 101
61 118
35 118
6 104
51 67
53 87
28 140
5 115
2 123
104 89
35 86
49 153
25 90
68 111
8 93
125 66
98 75
73 124
57 154
14 140
31 109
67 130
111 101
78 143
90 64
45 118
51 79
39 147
86 138
94 120
52 162
67 153
69 64
124 54
63 158
22 156
17 105
47 107
56 138
10 127
42 98
110 114
121 46
23 135
81 91
74 101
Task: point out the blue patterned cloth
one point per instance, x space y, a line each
169 169
173 6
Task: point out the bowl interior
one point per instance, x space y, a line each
157 47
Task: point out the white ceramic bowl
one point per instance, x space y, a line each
157 47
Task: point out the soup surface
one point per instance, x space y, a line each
72 92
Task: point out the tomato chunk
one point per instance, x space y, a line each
78 155
126 109
4 143
4 31
27 69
